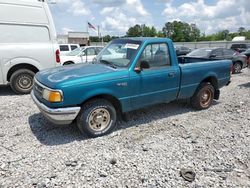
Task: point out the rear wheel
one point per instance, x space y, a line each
21 81
237 67
203 97
97 118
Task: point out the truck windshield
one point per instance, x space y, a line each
119 53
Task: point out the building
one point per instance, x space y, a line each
81 38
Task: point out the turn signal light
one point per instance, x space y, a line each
52 96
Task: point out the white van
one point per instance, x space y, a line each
27 42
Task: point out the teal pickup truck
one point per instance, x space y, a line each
128 74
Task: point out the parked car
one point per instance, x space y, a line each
239 60
240 47
247 53
81 55
66 48
28 43
94 94
182 50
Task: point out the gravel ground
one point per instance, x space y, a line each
147 151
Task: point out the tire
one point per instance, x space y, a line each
203 96
237 67
21 81
97 118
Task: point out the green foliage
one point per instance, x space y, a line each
226 35
141 31
178 32
181 31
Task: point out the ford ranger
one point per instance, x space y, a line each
139 72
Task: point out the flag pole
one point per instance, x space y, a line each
98 30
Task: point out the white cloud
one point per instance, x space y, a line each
79 8
107 10
127 14
65 30
137 5
224 14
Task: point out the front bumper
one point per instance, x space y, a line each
59 116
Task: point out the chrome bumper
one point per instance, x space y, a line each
60 116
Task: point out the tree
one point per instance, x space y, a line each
141 31
241 30
181 31
107 38
134 31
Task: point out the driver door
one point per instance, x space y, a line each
158 83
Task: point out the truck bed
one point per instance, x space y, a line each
193 72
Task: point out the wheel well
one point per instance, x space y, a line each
113 100
68 63
213 81
240 62
21 66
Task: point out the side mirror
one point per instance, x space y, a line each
143 65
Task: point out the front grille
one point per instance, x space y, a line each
38 89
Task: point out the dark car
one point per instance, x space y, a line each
239 60
247 53
182 50
240 47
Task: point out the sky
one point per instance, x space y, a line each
115 16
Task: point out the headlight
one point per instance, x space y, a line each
52 96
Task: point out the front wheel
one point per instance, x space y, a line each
21 81
97 118
203 96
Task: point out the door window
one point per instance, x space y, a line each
73 47
64 48
157 55
217 53
98 49
90 51
228 52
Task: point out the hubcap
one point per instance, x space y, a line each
206 97
237 68
24 82
99 119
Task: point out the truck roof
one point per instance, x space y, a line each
143 39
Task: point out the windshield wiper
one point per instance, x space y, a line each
108 63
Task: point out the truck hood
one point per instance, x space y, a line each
69 75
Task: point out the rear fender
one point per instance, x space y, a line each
9 63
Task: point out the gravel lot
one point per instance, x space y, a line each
147 151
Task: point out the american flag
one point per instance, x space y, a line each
91 26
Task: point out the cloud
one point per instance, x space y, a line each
210 18
127 14
108 3
79 8
65 30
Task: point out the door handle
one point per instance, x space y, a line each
171 74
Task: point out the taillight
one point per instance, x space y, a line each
58 56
